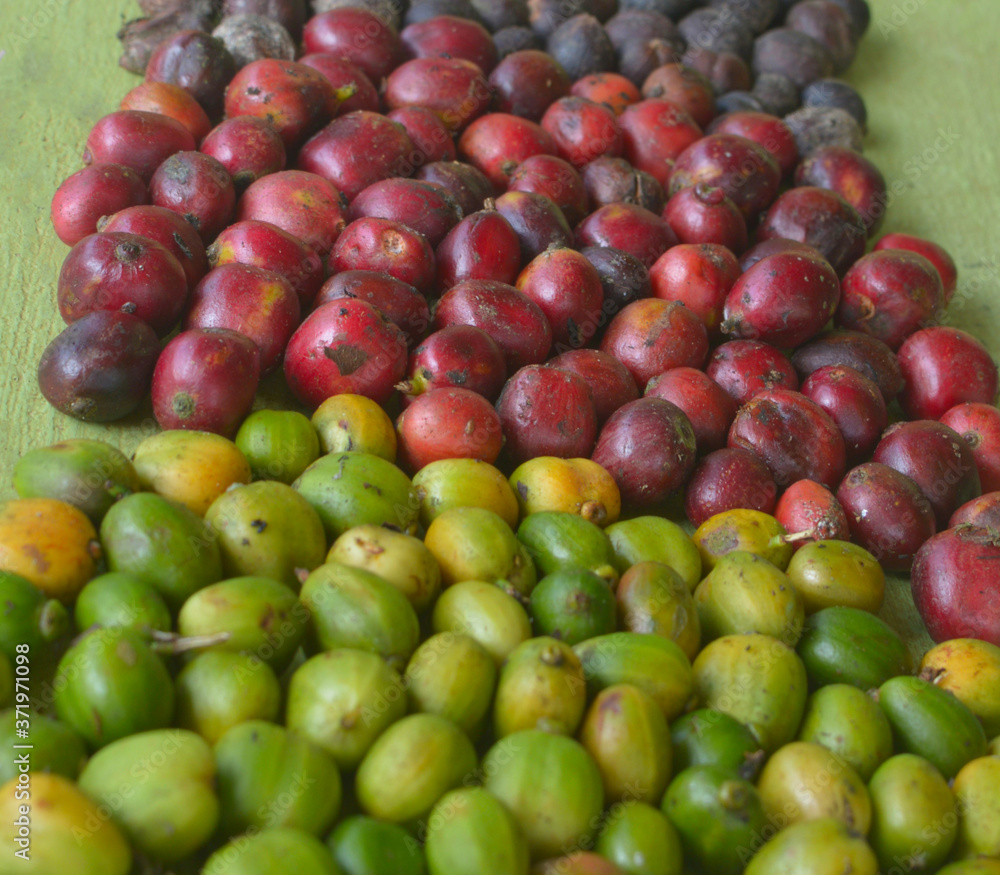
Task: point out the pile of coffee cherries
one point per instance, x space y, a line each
632 232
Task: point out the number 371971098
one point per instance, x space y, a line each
21 686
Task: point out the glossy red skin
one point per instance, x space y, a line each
627 227
451 37
568 290
483 246
98 369
345 346
937 459
197 62
774 246
765 130
526 83
547 412
358 36
266 246
703 214
625 279
651 336
583 130
655 132
122 272
729 479
784 300
608 89
197 187
887 513
611 385
745 367
955 584
684 87
853 349
344 74
455 90
295 98
744 170
699 277
170 100
398 301
983 512
667 456
422 206
979 426
497 142
386 247
248 147
466 183
205 380
890 295
512 319
448 423
303 204
555 178
935 254
538 223
96 191
258 303
457 356
794 436
854 403
610 180
431 138
856 179
809 511
943 367
139 140
820 218
169 230
357 149
703 401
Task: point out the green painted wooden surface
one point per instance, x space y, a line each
926 69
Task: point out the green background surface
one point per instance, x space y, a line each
926 69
